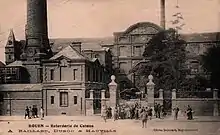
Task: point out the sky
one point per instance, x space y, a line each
100 18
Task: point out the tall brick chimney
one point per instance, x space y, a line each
162 14
37 42
36 28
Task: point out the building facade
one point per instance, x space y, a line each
128 49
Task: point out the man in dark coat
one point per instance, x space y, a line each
156 110
189 113
27 113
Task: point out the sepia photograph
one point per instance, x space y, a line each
110 67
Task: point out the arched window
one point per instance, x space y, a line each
10 42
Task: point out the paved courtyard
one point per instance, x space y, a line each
61 125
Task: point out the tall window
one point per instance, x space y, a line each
94 75
122 51
74 74
13 70
52 99
101 79
194 67
61 68
40 75
1 97
64 99
51 74
88 69
123 67
137 51
75 99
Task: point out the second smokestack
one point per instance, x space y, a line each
162 14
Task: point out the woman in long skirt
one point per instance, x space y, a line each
41 113
144 118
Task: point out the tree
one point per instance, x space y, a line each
211 65
166 55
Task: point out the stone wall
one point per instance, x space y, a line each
201 107
15 102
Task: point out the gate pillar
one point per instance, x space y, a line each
113 100
89 104
215 105
150 91
174 104
103 100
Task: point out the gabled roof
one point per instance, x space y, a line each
15 64
2 64
70 53
87 43
201 37
11 38
11 35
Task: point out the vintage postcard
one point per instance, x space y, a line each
109 67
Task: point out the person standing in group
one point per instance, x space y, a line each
144 118
27 113
30 112
150 112
132 112
156 110
33 112
163 111
136 113
104 112
110 112
176 110
189 113
42 113
115 113
123 113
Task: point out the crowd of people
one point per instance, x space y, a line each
33 112
136 112
139 112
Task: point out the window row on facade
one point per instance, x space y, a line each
52 74
63 99
128 51
143 38
76 74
